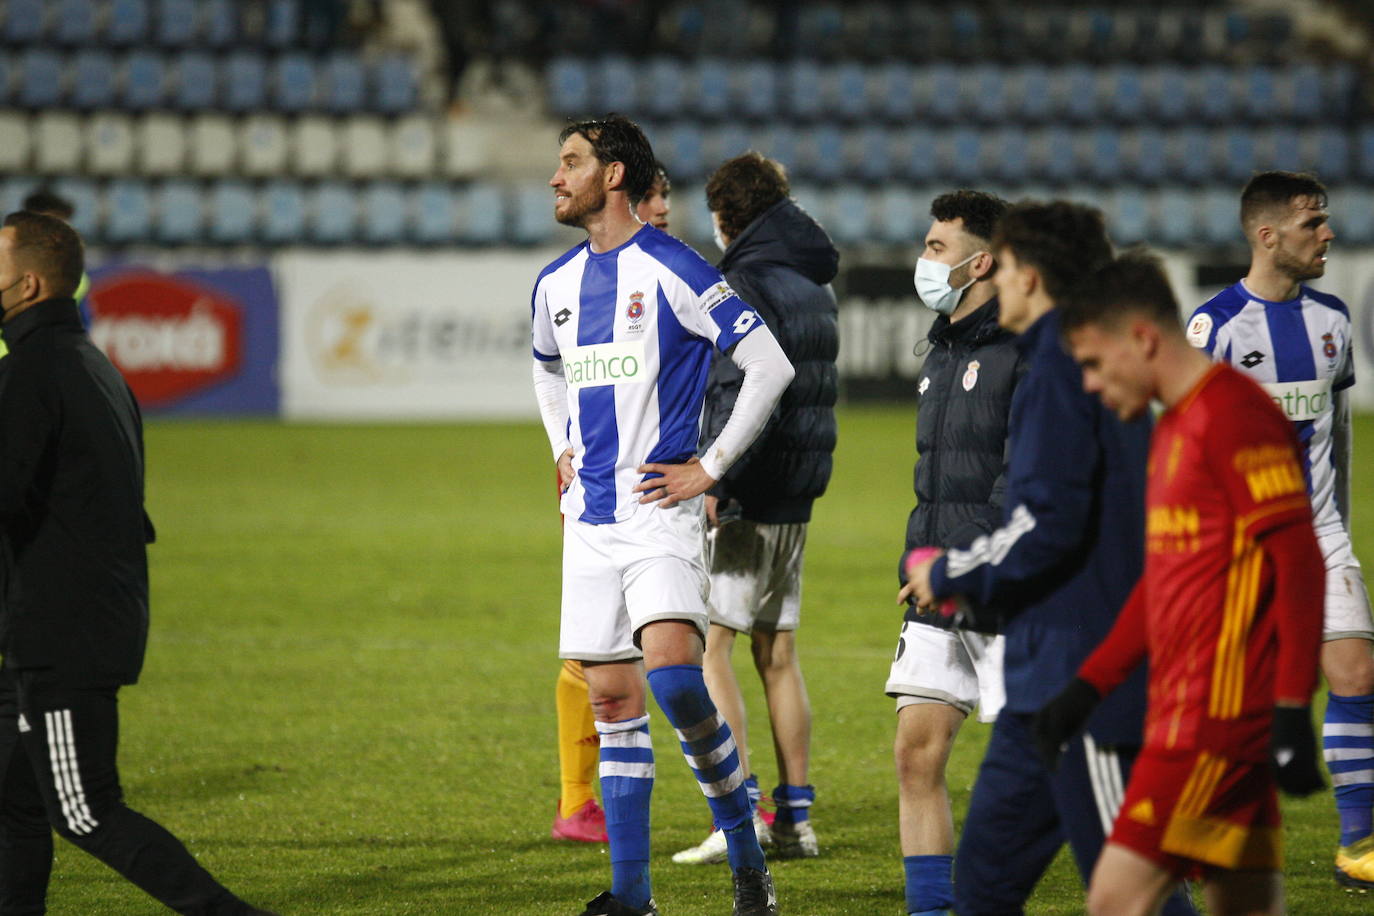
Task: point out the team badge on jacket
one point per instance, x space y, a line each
971 374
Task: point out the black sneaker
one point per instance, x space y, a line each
754 893
606 905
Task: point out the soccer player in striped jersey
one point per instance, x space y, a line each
1227 612
1296 342
623 329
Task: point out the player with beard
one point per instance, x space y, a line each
623 330
1296 342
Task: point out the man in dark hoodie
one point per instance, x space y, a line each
779 260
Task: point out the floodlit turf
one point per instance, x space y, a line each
348 701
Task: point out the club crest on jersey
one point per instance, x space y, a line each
636 308
1329 346
971 374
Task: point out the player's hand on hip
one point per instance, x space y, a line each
1062 718
673 483
1293 751
565 470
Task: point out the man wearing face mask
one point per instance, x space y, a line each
940 674
781 262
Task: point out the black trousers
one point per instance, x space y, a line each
57 771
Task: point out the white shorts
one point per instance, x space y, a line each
756 573
1347 601
954 667
621 576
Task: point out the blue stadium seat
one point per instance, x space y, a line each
13 191
1176 224
1353 215
1364 156
1340 91
244 81
41 79
283 212
395 85
846 92
1282 147
128 212
1330 155
1145 157
900 217
1104 157
1032 96
1260 94
197 81
1009 149
85 200
1219 222
483 211
849 221
385 213
874 155
75 22
127 23
332 213
176 23
233 215
1168 90
568 85
1077 93
1240 158
616 83
92 86
988 83
684 150
1125 99
221 22
916 160
756 90
345 84
145 80
283 16
294 82
532 223
730 140
25 21
1306 89
179 215
434 212
779 141
896 92
827 152
1213 100
712 83
1189 154
944 102
1053 155
1129 216
963 161
801 94
663 97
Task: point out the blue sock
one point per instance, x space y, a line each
627 780
794 803
929 885
710 751
1348 741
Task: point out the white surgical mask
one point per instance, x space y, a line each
720 239
932 284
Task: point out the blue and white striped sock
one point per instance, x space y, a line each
627 781
710 751
1348 742
794 802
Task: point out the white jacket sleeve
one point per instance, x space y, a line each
767 373
551 391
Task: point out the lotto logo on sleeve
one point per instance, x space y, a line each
604 364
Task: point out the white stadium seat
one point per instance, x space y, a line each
264 146
413 147
57 142
161 140
314 147
214 146
364 147
110 143
14 152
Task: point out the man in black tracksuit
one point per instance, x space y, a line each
74 613
780 261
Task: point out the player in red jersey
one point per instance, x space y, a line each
1228 611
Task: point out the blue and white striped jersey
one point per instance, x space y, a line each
634 327
1300 352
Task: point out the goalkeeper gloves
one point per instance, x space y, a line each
1293 750
1062 718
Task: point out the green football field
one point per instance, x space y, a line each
347 706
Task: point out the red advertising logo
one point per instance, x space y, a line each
169 336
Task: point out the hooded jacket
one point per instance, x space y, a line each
781 264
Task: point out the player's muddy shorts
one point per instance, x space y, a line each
756 573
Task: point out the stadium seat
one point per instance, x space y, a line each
1364 155
845 92
1189 154
1259 90
161 142
345 84
1030 94
128 212
869 155
57 146
232 215
942 103
663 98
1352 215
213 145
914 154
1167 91
712 83
684 150
41 79
74 22
963 160
332 213
727 141
127 22
896 92
364 147
395 85
145 81
1176 224
482 219
244 80
85 200
1124 94
283 17
434 209
6 68
801 93
756 91
1306 88
532 221
616 82
1327 150
826 153
1239 157
1128 212
25 22
849 222
1283 147
92 86
900 217
1213 101
1053 156
196 83
1219 223
1341 91
14 152
412 147
569 86
221 23
1075 91
314 147
13 191
1143 156
179 215
176 23
991 94
1007 155
264 147
1104 157
293 82
778 141
283 207
109 144
385 214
